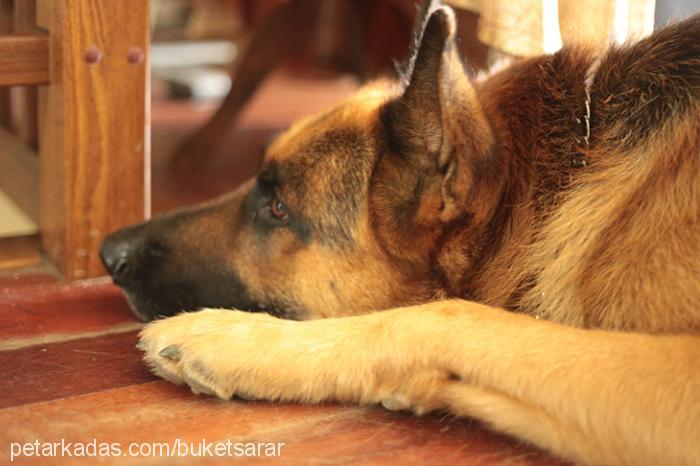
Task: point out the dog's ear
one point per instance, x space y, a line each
437 123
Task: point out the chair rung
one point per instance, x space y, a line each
24 59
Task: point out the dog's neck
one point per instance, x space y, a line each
540 112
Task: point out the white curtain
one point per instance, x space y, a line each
531 27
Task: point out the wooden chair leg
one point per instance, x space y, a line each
93 127
286 32
25 98
24 112
5 110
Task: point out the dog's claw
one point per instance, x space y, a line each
142 345
171 352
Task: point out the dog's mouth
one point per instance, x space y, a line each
140 309
148 309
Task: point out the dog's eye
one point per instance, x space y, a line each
278 209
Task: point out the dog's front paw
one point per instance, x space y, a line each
212 351
374 358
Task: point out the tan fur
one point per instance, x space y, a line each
577 327
591 265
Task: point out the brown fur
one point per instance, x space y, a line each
432 188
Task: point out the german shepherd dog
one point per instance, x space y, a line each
536 235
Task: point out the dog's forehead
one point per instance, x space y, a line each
356 116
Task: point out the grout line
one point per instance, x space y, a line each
17 343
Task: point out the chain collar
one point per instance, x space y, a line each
579 158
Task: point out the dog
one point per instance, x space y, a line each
532 240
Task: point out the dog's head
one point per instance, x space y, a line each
349 213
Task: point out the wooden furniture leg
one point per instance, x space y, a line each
25 98
5 112
93 127
284 33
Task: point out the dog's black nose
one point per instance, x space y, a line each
116 253
130 254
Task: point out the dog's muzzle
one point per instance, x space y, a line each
163 275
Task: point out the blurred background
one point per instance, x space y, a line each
227 75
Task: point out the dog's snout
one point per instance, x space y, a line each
116 253
128 252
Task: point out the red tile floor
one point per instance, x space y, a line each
70 371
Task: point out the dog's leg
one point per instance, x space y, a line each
591 396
